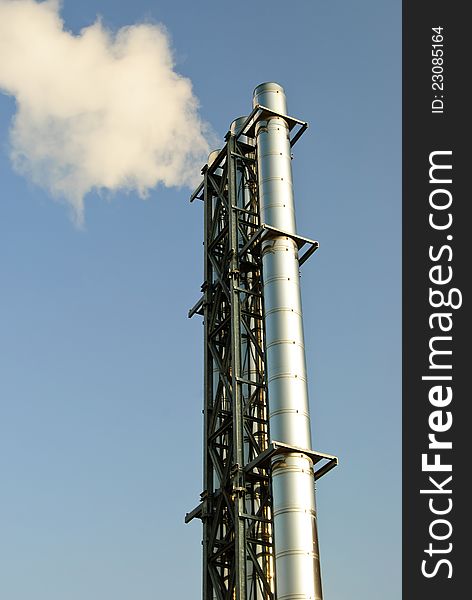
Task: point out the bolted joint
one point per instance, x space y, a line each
238 484
234 274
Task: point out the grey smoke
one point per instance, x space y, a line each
97 110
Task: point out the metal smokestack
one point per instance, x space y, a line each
294 514
257 506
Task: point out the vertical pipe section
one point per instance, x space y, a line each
295 533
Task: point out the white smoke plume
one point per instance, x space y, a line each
98 110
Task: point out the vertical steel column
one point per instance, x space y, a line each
294 515
238 422
208 383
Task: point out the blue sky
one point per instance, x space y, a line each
101 371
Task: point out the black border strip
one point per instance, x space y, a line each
436 270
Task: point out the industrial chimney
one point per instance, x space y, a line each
260 539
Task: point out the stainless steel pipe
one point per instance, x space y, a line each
294 512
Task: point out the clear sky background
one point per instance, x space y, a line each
100 369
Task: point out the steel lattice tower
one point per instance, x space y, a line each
255 505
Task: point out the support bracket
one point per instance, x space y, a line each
266 231
279 448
